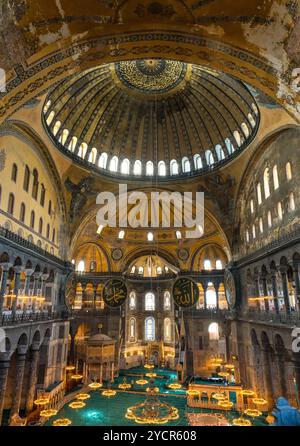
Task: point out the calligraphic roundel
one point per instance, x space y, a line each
185 292
114 292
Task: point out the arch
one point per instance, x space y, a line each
103 160
137 168
11 204
167 300
209 157
132 300
186 165
149 168
288 171
161 168
149 301
113 165
174 170
93 155
132 329
197 161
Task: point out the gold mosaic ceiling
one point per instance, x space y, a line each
186 117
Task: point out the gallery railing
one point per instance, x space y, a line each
275 318
28 318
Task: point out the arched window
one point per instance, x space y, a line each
258 189
209 158
46 107
247 235
26 179
141 270
48 231
137 168
93 266
252 206
81 266
269 219
162 168
291 202
53 236
64 136
121 234
11 204
22 212
150 329
207 264
93 155
267 182
72 144
158 270
56 127
125 166
229 146
149 302
113 165
219 264
251 120
261 226
178 235
245 129
254 108
213 331
253 232
103 160
14 173
186 166
32 219
150 236
82 150
279 210
167 330
167 300
133 269
41 226
211 298
237 137
132 300
35 185
288 170
50 208
275 177
220 152
43 194
149 168
197 161
132 329
173 167
50 117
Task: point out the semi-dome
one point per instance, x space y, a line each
151 117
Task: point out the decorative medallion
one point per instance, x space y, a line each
185 292
230 291
183 254
117 254
70 290
114 292
149 76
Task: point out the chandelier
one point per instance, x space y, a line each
152 410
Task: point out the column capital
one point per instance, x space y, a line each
29 271
22 351
18 269
5 266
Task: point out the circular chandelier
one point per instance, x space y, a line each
259 401
225 404
219 396
70 368
175 386
241 422
48 413
124 385
151 375
248 392
42 402
192 392
77 405
141 382
83 396
95 385
148 366
62 422
253 413
152 410
109 393
76 376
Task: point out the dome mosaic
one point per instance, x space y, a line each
151 117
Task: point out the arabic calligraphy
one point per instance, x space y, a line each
114 293
185 292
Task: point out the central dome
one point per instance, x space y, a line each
151 76
151 117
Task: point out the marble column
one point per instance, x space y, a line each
36 277
285 291
217 295
4 367
275 291
28 273
17 270
35 353
18 382
205 289
5 267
